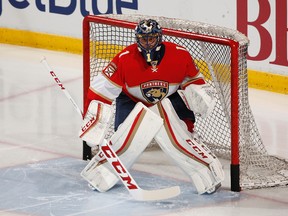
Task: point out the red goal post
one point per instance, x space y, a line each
220 54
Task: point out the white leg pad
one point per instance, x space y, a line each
129 141
99 177
201 165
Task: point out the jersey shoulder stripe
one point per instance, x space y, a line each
181 48
174 46
123 53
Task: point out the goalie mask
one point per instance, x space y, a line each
148 36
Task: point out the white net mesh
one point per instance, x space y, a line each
258 169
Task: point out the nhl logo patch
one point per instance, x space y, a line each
154 66
154 91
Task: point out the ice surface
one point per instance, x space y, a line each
40 152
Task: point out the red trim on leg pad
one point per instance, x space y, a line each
189 124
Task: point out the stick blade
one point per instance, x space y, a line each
153 195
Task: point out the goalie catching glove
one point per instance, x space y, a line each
96 123
199 98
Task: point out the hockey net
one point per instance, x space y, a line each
220 54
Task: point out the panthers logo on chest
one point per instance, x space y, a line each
154 91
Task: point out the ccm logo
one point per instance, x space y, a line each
118 167
57 80
196 148
88 124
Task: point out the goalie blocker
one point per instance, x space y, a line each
96 122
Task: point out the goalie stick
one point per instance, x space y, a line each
130 184
57 80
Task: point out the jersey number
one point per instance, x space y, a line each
148 57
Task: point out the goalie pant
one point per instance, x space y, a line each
130 141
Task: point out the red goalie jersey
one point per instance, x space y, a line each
142 82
